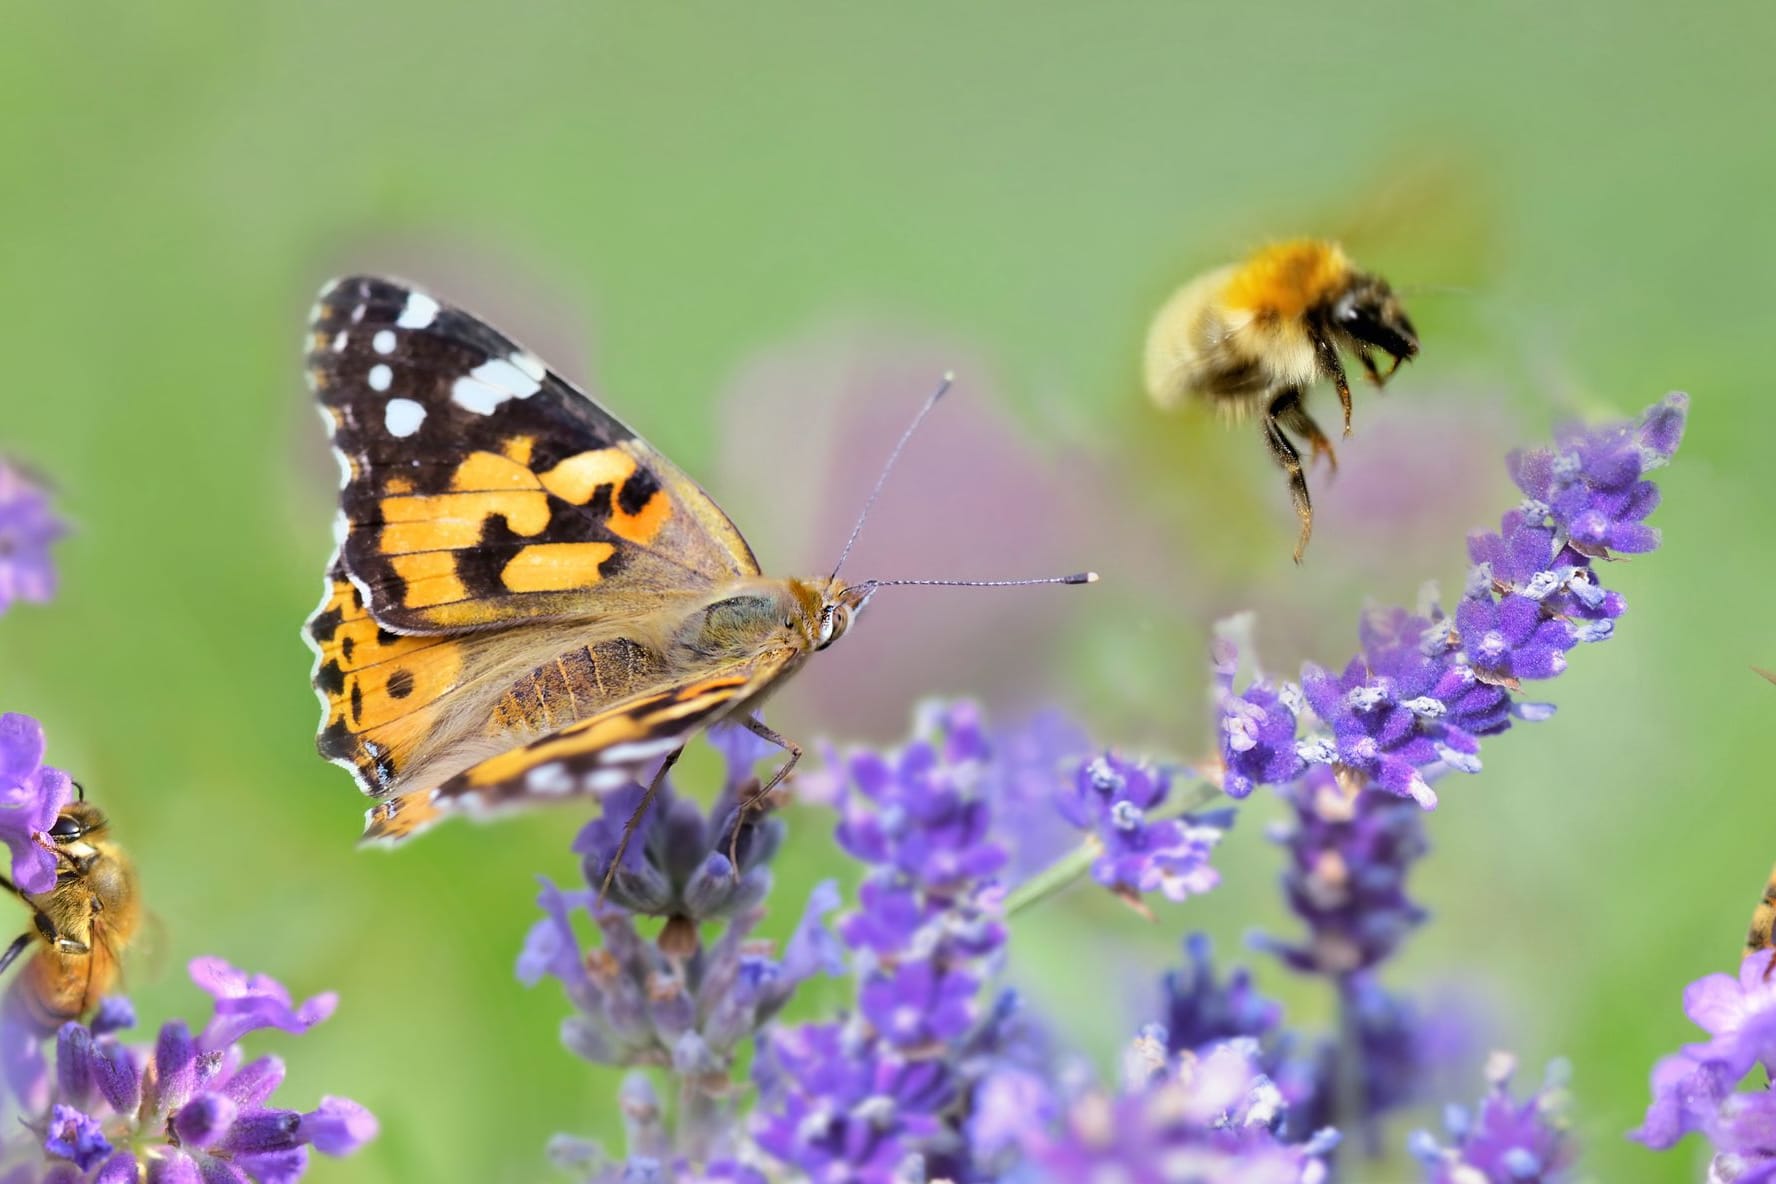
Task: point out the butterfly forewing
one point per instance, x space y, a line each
512 560
482 489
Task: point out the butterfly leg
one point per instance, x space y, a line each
756 799
634 823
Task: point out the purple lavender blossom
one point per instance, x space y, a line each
677 1002
1390 1047
1349 853
1505 1141
890 1089
1591 483
1199 1011
247 1002
678 863
1208 1117
919 1003
27 529
181 1110
1257 727
650 1158
1385 741
1111 799
31 795
1031 759
637 1004
919 811
848 1106
1411 706
1695 1089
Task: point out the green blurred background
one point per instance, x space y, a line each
752 225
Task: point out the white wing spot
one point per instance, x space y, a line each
419 311
473 396
531 365
605 780
638 750
384 341
380 377
339 341
403 417
550 780
507 377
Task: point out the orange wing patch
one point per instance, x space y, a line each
555 567
379 691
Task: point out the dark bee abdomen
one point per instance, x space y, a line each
578 684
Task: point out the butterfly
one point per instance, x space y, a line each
528 601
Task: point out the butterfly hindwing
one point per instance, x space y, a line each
596 755
483 490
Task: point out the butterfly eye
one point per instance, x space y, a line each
833 620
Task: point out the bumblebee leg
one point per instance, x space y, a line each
1290 460
756 799
1292 414
1327 355
1369 367
630 827
19 945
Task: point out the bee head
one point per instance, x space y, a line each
75 822
1370 313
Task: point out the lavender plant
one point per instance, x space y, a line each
182 1108
934 1071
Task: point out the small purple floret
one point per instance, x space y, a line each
27 529
245 1003
31 795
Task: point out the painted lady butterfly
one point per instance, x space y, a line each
528 601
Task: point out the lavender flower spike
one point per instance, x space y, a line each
27 528
1505 1141
31 795
1208 1116
178 1111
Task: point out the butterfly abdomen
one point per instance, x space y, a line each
577 684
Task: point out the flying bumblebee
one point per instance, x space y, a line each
1253 337
80 926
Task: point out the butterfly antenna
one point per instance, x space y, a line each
1078 577
942 389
